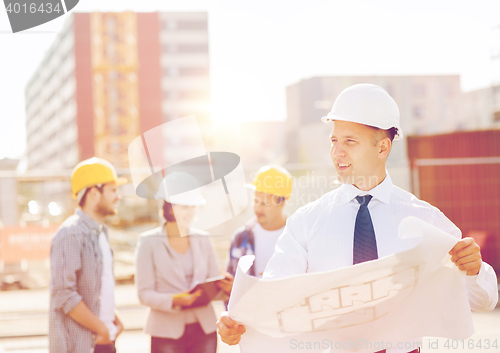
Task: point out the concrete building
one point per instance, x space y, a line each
108 77
9 211
481 109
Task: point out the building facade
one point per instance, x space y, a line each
9 213
108 77
481 109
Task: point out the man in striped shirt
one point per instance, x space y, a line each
82 309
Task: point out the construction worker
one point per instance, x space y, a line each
273 186
82 315
359 221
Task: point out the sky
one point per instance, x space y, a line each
259 47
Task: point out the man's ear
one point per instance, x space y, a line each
93 194
385 146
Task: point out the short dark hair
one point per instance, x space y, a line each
389 133
280 199
84 197
392 132
168 212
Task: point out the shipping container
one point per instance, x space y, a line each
459 173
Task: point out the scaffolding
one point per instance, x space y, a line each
114 84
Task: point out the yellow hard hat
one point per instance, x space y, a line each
91 172
274 180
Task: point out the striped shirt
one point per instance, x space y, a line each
76 266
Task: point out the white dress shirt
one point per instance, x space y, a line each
320 236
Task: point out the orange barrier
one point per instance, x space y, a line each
29 243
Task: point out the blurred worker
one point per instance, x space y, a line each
82 305
359 221
273 186
170 260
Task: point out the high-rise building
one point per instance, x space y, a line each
108 77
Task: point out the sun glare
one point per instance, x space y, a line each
237 97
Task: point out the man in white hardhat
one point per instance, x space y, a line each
82 307
359 221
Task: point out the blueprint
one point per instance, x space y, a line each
415 293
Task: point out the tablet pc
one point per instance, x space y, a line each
210 291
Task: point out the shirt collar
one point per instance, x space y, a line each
91 223
381 192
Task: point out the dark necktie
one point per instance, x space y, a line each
365 244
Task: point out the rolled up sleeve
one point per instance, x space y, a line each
65 261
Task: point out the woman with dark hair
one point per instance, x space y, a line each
170 260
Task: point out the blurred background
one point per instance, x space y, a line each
258 76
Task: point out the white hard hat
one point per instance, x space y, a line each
366 104
184 189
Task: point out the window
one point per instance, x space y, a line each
185 48
194 71
419 131
193 48
448 91
418 112
170 25
171 71
197 95
169 116
192 25
170 48
186 71
418 90
170 95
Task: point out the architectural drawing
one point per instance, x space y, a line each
349 305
